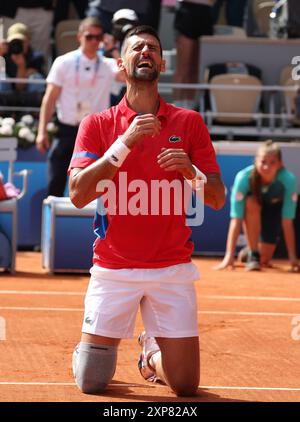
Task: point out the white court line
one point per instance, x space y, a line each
271 314
23 308
214 297
259 298
206 387
216 387
41 292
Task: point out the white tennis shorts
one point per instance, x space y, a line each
166 296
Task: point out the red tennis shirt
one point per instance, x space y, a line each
143 238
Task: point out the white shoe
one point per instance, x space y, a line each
149 347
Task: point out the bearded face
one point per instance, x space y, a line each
145 70
142 58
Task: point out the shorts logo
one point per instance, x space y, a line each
174 139
88 320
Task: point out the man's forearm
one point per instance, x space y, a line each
83 182
46 113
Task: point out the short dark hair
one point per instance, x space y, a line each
141 29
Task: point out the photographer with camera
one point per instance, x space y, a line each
21 60
123 21
148 12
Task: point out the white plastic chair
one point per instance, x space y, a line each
234 102
8 207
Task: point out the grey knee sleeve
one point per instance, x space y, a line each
94 366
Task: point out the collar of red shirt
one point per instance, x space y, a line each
130 114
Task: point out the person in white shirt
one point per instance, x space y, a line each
79 83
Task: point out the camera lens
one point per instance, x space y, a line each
15 47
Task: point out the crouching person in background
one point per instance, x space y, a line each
263 200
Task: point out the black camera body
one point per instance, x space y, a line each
15 47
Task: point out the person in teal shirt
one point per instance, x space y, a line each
263 200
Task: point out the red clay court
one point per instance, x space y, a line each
249 345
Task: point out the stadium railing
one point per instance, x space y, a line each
272 121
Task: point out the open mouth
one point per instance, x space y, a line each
144 65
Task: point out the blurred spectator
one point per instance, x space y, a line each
285 19
111 49
36 14
192 20
285 22
148 11
234 11
110 46
250 21
152 17
122 21
263 200
21 60
61 9
79 83
293 25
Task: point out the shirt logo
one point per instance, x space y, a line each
114 158
174 139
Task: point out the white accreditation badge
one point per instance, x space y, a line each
83 109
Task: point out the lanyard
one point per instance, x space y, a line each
96 68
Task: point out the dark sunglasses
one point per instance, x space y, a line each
90 37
